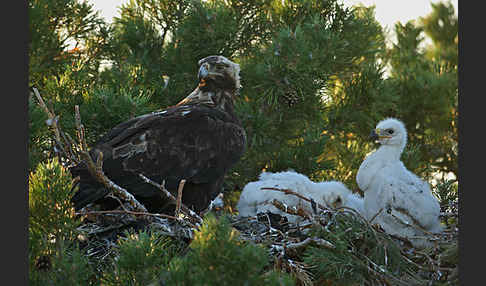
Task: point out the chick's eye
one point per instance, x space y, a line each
390 131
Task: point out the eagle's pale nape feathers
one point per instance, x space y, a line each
404 203
199 140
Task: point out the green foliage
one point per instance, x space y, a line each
100 109
360 253
53 26
218 257
140 256
51 215
419 89
136 52
53 259
286 84
354 105
39 137
428 90
441 26
71 267
447 192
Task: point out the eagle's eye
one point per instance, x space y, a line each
390 131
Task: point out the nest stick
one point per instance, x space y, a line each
51 115
96 170
290 192
183 207
179 197
134 213
316 240
290 210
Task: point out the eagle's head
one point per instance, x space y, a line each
218 72
218 78
391 132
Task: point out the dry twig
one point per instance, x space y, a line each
290 210
290 192
137 214
65 145
179 197
316 240
96 170
187 211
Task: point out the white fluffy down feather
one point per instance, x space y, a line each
406 202
355 202
254 200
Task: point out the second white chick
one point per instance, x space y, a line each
254 199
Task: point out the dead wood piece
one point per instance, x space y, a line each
290 210
96 170
145 214
187 211
59 137
316 240
179 197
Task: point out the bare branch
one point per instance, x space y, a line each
136 214
190 213
60 138
96 170
179 197
290 210
316 240
290 192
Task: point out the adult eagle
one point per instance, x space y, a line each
199 140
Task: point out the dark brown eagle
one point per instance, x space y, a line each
199 140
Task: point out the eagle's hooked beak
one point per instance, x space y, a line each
376 134
373 135
207 71
202 74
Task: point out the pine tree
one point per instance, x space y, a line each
426 85
316 77
62 73
55 25
54 257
